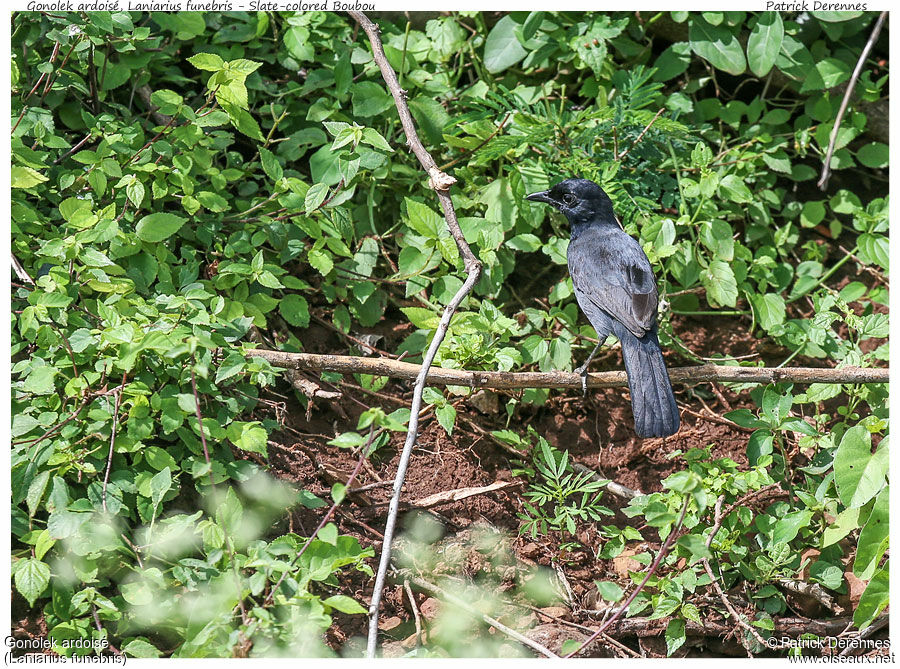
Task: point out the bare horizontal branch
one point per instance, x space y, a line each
442 376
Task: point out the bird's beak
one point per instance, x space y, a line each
542 196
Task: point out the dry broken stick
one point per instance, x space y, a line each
440 376
508 631
20 271
441 183
663 550
737 617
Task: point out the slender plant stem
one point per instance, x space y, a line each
624 607
200 419
363 454
641 136
827 275
112 438
441 183
822 183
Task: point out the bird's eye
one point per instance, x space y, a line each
569 199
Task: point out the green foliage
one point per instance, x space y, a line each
178 179
559 498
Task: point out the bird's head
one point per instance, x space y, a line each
581 200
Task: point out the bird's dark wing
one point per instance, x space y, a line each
610 270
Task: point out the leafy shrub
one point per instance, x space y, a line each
182 180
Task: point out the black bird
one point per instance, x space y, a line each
616 290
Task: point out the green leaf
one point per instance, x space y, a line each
718 45
765 41
135 192
369 99
673 61
63 524
675 635
40 381
184 25
787 528
321 260
315 196
720 284
423 219
421 317
695 545
859 474
431 117
683 482
874 249
733 188
829 575
295 310
873 600
569 646
812 214
836 17
187 402
770 310
344 604
140 648
372 137
25 177
309 500
609 591
446 416
206 61
32 578
329 533
249 436
873 539
230 513
296 39
234 364
845 522
745 418
44 543
502 48
526 242
242 66
159 486
270 164
167 100
874 155
798 425
759 444
833 71
243 121
157 227
36 491
212 201
717 237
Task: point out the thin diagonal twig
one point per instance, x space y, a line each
440 182
652 570
641 136
363 454
496 624
719 516
200 420
822 183
112 437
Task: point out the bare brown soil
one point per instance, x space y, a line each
598 433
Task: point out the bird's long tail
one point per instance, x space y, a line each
652 401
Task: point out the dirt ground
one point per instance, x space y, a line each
598 433
596 430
